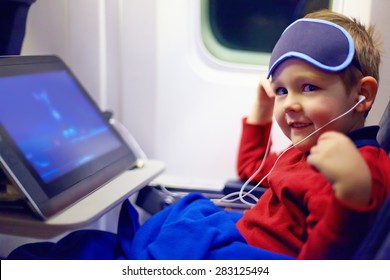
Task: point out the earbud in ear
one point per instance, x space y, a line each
361 98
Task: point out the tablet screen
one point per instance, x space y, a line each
56 130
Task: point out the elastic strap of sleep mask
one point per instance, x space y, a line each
321 43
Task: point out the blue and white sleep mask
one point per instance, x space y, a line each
321 43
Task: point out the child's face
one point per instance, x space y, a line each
307 98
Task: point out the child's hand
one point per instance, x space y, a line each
264 104
337 158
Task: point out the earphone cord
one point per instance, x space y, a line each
242 194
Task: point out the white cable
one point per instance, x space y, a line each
128 137
168 192
243 194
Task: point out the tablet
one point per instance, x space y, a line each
56 147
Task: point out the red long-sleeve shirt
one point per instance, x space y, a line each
299 215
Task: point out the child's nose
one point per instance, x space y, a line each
292 103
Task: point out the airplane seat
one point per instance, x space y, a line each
13 18
376 245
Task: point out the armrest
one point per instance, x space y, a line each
234 185
153 198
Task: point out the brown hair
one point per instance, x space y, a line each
367 56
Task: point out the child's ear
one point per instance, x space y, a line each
368 88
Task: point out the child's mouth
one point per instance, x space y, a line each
299 125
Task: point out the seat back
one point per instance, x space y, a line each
384 131
376 245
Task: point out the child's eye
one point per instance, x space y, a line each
281 91
309 87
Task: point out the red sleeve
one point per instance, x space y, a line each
254 139
339 232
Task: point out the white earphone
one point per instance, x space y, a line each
361 98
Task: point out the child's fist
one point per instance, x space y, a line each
337 158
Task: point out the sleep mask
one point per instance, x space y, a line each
321 43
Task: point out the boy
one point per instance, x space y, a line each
324 190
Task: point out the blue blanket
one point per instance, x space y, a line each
192 228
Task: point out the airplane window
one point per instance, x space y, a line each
245 31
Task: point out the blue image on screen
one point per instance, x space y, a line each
52 123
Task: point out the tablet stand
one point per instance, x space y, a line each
10 198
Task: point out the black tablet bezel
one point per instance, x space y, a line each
79 182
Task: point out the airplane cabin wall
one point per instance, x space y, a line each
145 61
